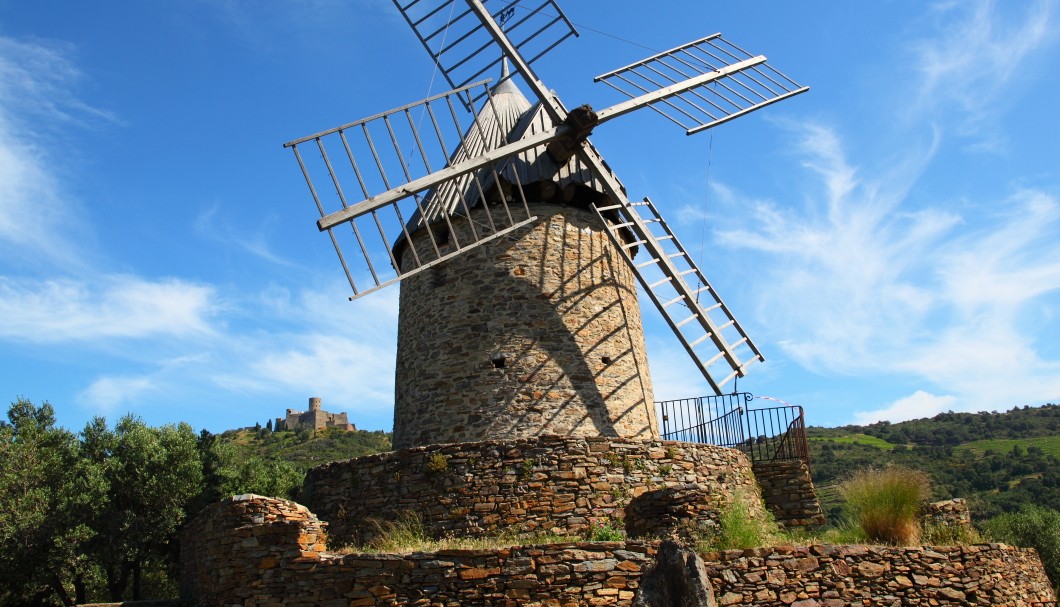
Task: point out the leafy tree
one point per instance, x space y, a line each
151 474
230 471
44 492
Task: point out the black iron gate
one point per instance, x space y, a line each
766 434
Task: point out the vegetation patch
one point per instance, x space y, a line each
885 503
408 533
1049 445
737 529
856 439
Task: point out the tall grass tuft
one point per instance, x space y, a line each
402 534
737 529
885 503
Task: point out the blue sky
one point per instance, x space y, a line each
890 239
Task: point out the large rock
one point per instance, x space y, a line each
677 578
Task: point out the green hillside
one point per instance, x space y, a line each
304 449
998 461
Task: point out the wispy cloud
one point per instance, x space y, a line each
968 69
38 223
857 283
253 241
110 395
68 310
343 349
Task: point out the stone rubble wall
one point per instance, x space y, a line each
992 575
231 546
547 484
788 491
252 550
255 551
947 513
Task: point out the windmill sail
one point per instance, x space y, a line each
743 83
454 155
464 49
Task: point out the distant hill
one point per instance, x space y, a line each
997 461
307 449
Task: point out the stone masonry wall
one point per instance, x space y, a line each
992 575
535 333
553 484
789 492
251 550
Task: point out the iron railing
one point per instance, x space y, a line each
715 420
768 434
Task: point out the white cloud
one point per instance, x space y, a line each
340 350
253 241
108 395
970 70
36 102
917 405
65 310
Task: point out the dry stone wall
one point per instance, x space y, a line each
837 576
789 492
538 332
252 550
553 484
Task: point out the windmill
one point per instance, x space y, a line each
515 241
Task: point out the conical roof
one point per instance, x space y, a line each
507 116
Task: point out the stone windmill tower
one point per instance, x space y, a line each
514 238
535 333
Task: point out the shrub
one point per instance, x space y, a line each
950 535
1033 527
884 503
437 463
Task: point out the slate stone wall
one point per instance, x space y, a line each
251 550
554 484
535 333
837 576
788 491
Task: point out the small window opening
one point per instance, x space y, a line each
442 236
606 360
498 361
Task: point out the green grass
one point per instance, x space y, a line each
1048 444
856 439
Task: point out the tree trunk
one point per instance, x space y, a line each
80 590
137 570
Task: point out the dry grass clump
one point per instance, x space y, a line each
407 534
884 503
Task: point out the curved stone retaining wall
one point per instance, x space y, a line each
553 484
251 550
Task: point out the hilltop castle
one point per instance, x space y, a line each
314 419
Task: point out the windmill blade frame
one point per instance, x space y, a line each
464 49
